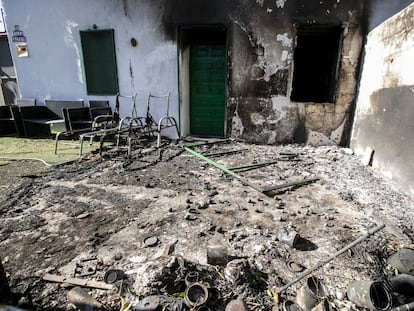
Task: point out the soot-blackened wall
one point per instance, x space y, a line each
261 40
385 112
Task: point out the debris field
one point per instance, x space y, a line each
167 230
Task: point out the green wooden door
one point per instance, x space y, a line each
207 90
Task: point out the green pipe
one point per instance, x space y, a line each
224 169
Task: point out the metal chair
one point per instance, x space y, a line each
129 126
101 109
102 115
127 129
77 121
57 105
155 104
79 118
104 122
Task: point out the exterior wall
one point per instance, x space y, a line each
262 71
54 67
385 111
261 42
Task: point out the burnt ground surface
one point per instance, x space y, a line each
84 218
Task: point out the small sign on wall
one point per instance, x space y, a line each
20 39
18 35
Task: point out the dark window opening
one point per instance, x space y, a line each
98 50
316 64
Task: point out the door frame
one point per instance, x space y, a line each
184 75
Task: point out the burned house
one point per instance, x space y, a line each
251 223
263 71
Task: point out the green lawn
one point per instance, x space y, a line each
43 149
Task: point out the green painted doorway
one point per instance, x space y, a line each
207 73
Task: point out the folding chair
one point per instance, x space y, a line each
166 120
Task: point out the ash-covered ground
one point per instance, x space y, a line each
155 216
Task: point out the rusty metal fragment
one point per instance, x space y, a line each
76 281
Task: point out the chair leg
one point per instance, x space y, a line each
159 139
159 133
101 142
129 150
81 138
176 128
57 141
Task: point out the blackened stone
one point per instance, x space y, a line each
5 294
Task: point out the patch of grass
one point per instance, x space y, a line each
42 149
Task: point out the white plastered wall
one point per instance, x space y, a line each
54 67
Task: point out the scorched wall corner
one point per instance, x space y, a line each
384 115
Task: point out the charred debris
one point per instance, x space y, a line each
219 225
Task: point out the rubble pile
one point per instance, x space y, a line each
249 228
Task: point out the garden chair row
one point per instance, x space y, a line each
135 127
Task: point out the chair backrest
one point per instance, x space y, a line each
5 112
126 100
56 105
95 112
158 106
22 102
78 118
99 108
98 104
37 112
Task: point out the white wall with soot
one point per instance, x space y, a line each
54 68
